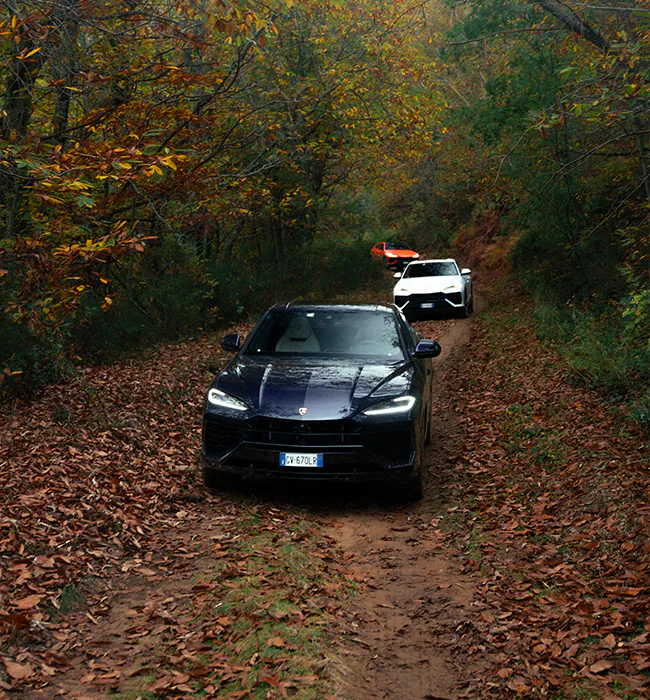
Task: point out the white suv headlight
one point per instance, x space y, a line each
400 404
453 288
219 398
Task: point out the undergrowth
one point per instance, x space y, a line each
601 352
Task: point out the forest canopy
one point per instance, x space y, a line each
167 164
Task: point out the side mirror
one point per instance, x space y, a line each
427 348
397 275
466 271
231 342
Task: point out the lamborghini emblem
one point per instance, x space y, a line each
303 410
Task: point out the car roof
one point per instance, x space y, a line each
323 305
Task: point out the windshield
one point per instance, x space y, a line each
431 269
327 332
398 246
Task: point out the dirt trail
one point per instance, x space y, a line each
416 597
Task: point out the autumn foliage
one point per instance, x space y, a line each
173 164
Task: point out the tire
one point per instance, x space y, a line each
427 435
222 481
470 308
413 489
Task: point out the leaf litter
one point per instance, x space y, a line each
120 573
551 517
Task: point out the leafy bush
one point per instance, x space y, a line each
597 347
171 293
28 361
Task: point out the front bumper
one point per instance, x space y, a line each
352 450
412 303
398 264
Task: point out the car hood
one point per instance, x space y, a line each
426 285
329 390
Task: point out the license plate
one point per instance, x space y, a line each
427 305
300 459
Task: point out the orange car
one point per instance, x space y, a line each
397 255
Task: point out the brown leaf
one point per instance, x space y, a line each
632 591
275 642
601 666
31 601
17 620
18 671
609 642
270 678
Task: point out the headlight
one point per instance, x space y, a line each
400 404
417 255
452 288
218 398
401 290
391 255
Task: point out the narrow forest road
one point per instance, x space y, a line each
522 573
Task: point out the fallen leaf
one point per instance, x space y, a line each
609 642
275 642
31 601
18 671
601 666
270 678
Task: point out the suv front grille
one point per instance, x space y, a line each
270 432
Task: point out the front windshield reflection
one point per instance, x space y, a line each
327 332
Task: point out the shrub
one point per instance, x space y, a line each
596 346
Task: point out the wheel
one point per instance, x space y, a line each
470 308
427 436
222 481
413 489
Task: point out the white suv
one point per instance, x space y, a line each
429 287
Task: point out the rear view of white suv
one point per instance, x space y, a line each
432 287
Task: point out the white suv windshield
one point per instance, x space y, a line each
431 269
